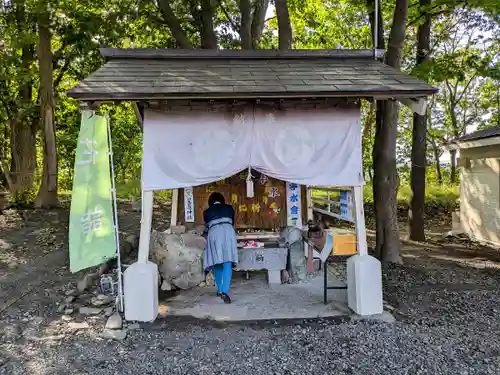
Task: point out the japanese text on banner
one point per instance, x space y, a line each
293 204
346 204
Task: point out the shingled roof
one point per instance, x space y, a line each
142 74
480 134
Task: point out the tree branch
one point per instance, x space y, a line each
228 16
466 87
437 5
60 75
174 25
258 21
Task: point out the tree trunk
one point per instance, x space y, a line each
258 20
23 154
284 25
246 24
208 37
385 179
174 25
385 184
439 175
416 214
22 128
453 166
456 134
437 155
47 195
397 35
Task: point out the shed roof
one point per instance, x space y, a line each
480 134
142 74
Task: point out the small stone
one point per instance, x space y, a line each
89 310
133 241
61 308
134 326
66 318
178 229
76 326
12 332
114 334
108 311
70 299
71 292
69 311
86 282
136 206
285 277
165 285
101 300
115 321
210 279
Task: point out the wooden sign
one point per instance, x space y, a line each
266 210
189 208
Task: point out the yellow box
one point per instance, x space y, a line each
344 241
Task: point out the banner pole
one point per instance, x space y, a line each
115 211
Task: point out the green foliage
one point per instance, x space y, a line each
464 65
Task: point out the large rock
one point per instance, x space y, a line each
179 258
297 270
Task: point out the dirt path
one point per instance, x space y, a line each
445 297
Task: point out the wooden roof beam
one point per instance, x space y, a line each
418 105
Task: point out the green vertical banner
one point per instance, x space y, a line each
92 238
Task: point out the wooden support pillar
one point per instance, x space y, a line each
174 207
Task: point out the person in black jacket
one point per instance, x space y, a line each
221 251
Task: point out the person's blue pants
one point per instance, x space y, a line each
222 275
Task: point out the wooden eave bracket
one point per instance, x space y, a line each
419 106
139 113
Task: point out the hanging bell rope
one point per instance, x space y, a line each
250 187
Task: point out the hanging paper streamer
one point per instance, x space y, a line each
293 205
250 188
188 205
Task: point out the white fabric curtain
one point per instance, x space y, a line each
306 146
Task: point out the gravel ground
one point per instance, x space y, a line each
445 299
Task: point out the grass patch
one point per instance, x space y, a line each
446 196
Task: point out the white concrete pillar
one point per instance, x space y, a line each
364 272
141 278
359 217
146 220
